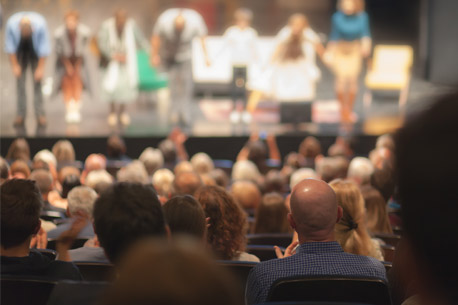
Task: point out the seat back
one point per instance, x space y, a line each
240 271
331 289
264 253
392 59
388 252
52 216
17 291
390 239
281 239
78 243
77 293
96 272
48 252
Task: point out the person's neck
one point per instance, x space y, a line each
21 250
315 237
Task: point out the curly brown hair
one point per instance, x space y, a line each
228 223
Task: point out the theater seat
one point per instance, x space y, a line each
331 289
96 272
264 253
78 243
388 252
390 239
48 252
280 239
240 271
17 291
77 293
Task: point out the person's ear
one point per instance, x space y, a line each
339 213
291 221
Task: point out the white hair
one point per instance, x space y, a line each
245 170
360 170
81 199
98 176
301 174
152 159
163 181
46 156
202 163
134 172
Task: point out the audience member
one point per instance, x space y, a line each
186 183
152 159
67 171
301 174
70 182
314 213
134 172
351 231
43 179
18 150
274 182
46 156
20 221
245 170
64 152
377 220
220 177
185 216
202 163
171 274
116 149
360 170
163 183
271 215
80 204
227 224
246 194
134 213
182 167
310 148
386 141
168 150
93 162
383 180
20 170
99 180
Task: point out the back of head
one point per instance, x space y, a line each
81 201
226 233
274 182
246 193
377 220
310 147
46 156
152 159
185 215
168 150
427 163
66 171
20 169
301 174
163 182
4 170
245 170
43 179
95 162
202 163
183 166
314 209
386 141
96 177
70 182
125 213
63 151
19 150
351 230
116 147
258 154
220 177
20 211
271 215
134 172
171 274
186 183
360 170
383 180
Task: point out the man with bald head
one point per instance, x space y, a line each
187 183
27 44
314 213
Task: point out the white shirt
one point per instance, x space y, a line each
241 44
175 47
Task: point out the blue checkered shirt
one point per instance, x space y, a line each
311 259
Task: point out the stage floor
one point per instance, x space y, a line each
210 115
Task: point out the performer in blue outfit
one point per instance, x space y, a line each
349 43
27 43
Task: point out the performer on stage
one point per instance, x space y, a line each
72 39
27 43
350 43
171 43
241 42
118 41
292 74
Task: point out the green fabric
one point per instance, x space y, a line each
148 78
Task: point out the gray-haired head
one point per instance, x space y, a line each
152 159
81 201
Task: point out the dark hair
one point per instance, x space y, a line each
383 180
116 147
271 215
220 177
21 205
310 147
19 150
257 153
185 215
124 213
428 191
274 182
228 223
70 181
168 150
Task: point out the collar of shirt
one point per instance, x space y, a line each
319 247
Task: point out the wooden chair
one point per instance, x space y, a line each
331 289
18 291
390 71
96 272
264 253
279 239
390 239
388 252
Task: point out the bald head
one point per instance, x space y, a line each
247 194
187 183
314 210
95 162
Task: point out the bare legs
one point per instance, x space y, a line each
119 111
72 86
347 89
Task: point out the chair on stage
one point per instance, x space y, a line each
390 71
264 253
96 272
279 239
19 291
78 243
330 289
